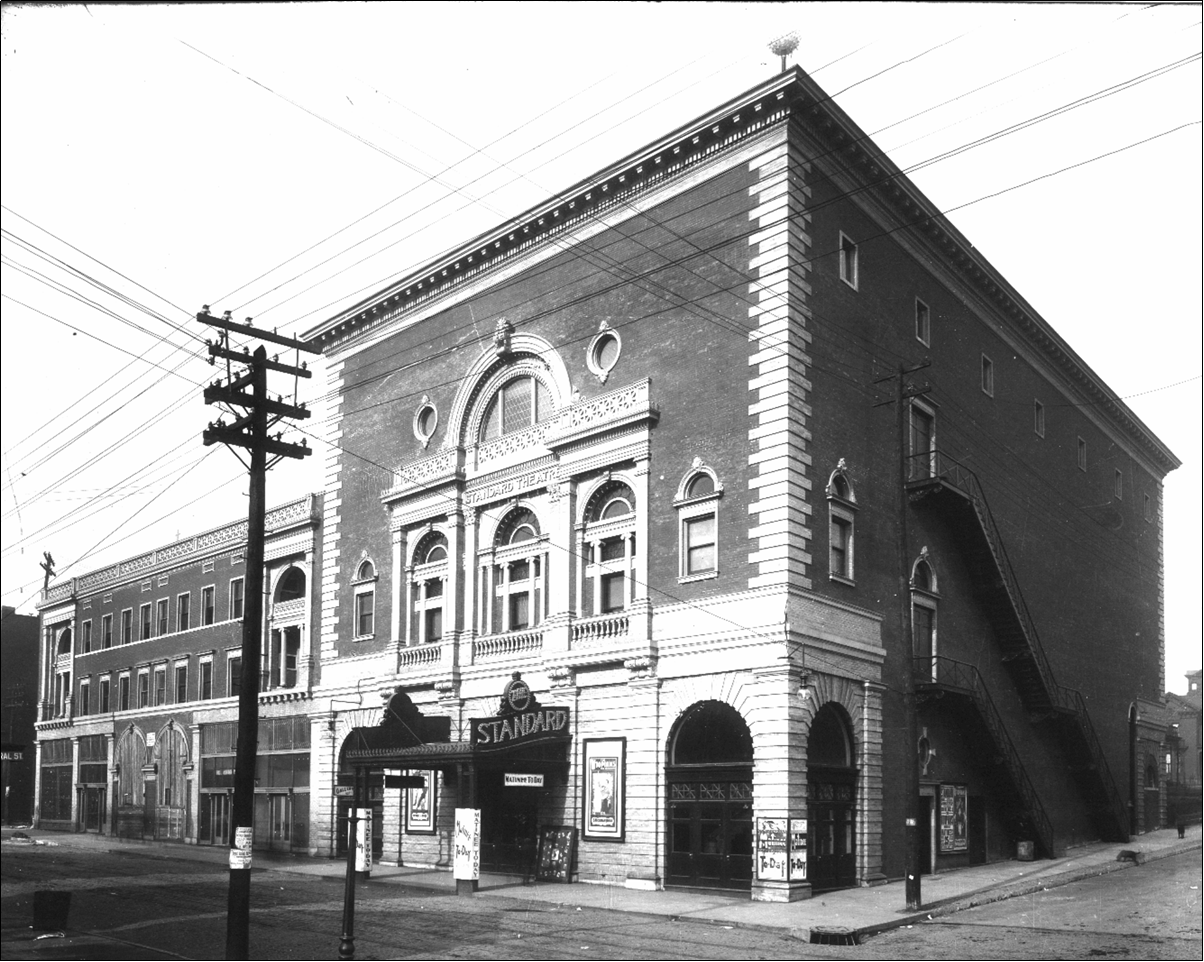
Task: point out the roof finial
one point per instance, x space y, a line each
784 46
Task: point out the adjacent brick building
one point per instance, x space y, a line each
140 672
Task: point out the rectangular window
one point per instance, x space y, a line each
233 675
183 612
840 542
988 376
700 544
161 616
1149 508
1118 485
144 622
365 603
87 639
106 631
236 598
161 686
923 323
127 626
520 611
434 624
848 261
143 689
1038 419
208 610
181 684
104 696
1082 455
923 442
206 685
612 588
85 690
123 693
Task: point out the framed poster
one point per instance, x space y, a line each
557 850
422 804
605 768
772 861
953 818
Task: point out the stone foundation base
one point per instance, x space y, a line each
780 891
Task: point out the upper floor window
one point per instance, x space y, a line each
127 626
924 617
184 612
144 688
518 404
428 581
609 549
365 600
281 663
86 640
842 513
145 621
291 586
1118 485
697 505
161 685
1038 419
988 376
85 688
233 675
181 682
236 599
161 615
923 323
848 261
106 631
1082 455
515 573
208 605
923 441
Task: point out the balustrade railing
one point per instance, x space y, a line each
507 644
600 630
420 656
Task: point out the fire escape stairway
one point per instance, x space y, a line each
941 483
939 677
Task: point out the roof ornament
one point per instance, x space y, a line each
784 46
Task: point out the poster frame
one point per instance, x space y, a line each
416 826
593 827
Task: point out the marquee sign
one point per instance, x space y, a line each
542 724
521 720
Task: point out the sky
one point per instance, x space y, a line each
283 161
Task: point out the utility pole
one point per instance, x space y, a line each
249 391
911 783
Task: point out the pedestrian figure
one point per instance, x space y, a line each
1181 825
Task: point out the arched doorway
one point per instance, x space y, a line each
831 800
709 824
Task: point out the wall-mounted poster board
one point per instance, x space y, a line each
781 849
421 804
953 818
557 850
604 796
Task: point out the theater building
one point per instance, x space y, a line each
620 465
138 696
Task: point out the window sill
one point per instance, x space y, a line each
841 579
364 637
700 576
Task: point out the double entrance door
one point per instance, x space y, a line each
710 828
92 808
832 823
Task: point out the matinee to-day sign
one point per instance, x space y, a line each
466 861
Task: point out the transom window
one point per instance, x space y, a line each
842 515
428 580
518 404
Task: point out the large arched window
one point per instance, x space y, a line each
608 549
519 403
291 585
428 584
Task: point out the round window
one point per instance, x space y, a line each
603 353
426 419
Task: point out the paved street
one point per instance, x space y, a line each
159 905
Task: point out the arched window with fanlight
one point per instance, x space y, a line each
608 570
697 504
513 575
428 587
364 587
842 514
924 599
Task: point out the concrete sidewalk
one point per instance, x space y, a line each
842 913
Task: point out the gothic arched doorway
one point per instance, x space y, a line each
831 800
708 823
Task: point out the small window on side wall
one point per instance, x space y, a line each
923 323
697 504
988 376
848 261
1082 455
1038 419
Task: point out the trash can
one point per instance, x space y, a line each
1024 851
50 910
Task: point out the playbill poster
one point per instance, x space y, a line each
604 774
953 818
420 804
